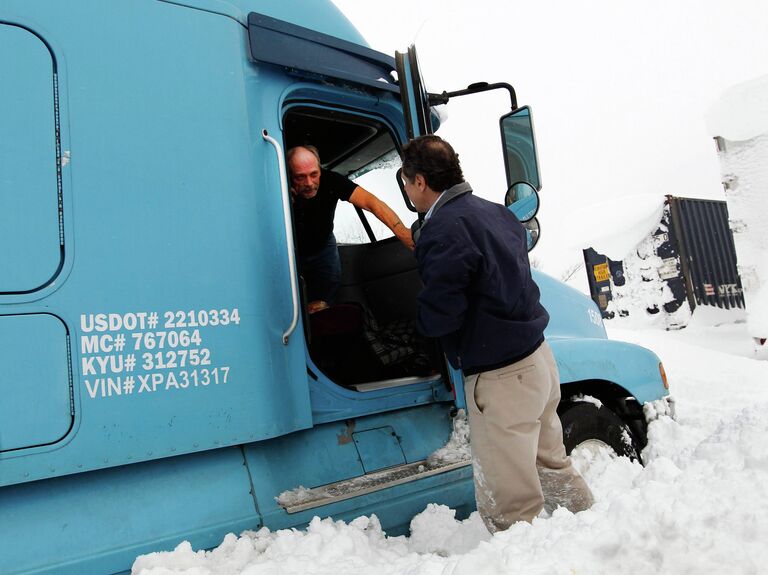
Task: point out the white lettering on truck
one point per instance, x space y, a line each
126 354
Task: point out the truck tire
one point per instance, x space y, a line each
586 425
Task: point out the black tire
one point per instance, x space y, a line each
584 421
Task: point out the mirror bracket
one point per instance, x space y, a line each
477 87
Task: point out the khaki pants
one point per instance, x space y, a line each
517 443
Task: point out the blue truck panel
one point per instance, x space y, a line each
570 314
29 211
34 358
328 453
99 522
633 368
148 206
324 17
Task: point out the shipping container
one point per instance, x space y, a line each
689 258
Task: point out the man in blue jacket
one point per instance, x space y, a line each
480 300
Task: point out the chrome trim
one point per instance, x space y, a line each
288 233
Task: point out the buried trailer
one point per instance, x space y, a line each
161 378
687 260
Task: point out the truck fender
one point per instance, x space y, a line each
633 368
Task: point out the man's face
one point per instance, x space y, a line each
414 189
305 174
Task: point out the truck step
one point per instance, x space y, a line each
302 499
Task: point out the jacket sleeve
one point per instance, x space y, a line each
447 264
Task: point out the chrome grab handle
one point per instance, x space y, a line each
288 233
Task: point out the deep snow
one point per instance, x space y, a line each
699 505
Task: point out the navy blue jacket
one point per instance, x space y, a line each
479 297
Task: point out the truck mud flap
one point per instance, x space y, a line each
301 499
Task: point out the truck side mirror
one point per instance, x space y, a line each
520 147
522 199
532 232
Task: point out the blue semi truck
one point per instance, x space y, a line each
160 377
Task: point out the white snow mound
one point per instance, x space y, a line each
741 113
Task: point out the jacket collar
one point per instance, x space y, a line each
448 195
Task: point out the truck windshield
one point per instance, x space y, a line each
379 178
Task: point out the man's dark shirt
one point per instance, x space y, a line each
479 297
314 217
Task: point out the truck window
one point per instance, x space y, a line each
378 177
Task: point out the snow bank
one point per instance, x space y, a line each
699 506
457 447
741 117
758 313
741 113
602 227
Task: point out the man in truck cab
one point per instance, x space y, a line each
479 298
315 193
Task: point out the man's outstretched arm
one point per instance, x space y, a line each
365 200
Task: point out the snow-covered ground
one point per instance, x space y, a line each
700 505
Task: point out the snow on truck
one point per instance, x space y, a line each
159 375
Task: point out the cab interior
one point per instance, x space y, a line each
367 340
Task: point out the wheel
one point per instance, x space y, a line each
587 426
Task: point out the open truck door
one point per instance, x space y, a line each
413 94
418 122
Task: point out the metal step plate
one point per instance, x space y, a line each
368 483
387 383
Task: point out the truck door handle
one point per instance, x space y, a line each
288 233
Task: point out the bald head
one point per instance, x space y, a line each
304 171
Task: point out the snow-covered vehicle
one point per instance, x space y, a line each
160 378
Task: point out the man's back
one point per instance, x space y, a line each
479 295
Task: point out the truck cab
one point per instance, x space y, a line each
161 376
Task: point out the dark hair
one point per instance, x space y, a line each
433 158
